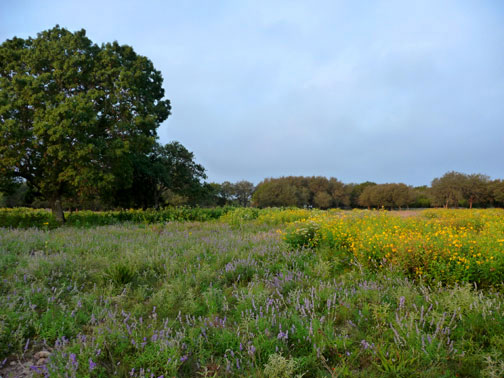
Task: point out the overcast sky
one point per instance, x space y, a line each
387 91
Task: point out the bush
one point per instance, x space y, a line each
40 218
22 217
302 234
239 216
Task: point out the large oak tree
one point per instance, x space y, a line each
74 114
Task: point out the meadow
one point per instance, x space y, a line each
248 292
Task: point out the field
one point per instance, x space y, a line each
262 293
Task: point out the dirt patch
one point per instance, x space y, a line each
16 369
26 367
406 213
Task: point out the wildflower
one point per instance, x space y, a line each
365 345
92 365
73 358
401 302
251 350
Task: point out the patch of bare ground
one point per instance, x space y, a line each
26 367
406 213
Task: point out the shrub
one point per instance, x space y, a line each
302 234
22 217
279 367
41 218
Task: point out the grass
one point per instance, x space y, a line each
233 298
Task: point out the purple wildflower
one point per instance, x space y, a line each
366 345
251 350
73 359
92 365
401 302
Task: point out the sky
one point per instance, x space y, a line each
385 91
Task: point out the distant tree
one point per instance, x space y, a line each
243 191
74 115
9 187
402 195
275 192
315 185
322 200
386 196
227 192
421 196
315 191
382 196
476 189
167 172
366 197
448 190
338 193
354 192
497 192
212 195
19 195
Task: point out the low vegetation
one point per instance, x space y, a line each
267 293
26 217
448 246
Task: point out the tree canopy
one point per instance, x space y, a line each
386 196
164 171
73 115
300 191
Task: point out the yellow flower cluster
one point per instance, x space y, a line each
447 245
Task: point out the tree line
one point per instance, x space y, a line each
453 189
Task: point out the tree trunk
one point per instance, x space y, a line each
470 203
57 210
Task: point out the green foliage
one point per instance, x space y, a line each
186 299
169 168
279 367
25 217
354 192
439 245
276 216
120 274
240 216
387 196
301 192
448 190
302 234
73 114
497 192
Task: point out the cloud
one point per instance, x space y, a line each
385 91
